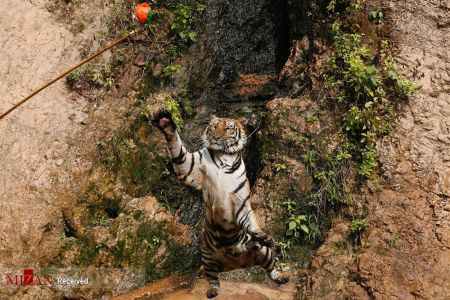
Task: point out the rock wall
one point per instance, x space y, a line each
413 207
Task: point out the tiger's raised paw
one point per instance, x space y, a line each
162 119
212 292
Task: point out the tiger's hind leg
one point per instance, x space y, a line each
266 259
211 269
213 279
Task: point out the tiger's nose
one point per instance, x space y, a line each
216 135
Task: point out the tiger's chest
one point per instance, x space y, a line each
223 172
221 181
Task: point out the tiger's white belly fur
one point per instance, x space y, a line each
219 187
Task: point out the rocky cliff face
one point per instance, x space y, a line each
250 37
408 249
117 205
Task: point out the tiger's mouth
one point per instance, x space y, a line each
226 146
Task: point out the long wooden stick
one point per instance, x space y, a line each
122 39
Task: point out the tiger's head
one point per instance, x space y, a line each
226 135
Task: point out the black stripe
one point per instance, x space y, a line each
201 156
246 238
209 258
210 264
206 251
240 186
246 217
221 162
212 274
228 241
242 206
235 166
218 228
190 169
265 256
209 243
211 153
242 173
181 158
269 260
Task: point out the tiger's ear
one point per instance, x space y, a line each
213 117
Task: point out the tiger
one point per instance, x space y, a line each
232 238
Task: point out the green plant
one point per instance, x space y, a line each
296 225
310 158
183 23
74 76
174 107
358 226
290 206
360 84
369 162
88 250
280 167
183 99
402 85
170 70
314 233
102 221
349 68
350 5
311 119
284 247
376 16
393 240
99 76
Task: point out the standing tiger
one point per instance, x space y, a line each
232 237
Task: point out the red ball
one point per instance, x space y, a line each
142 11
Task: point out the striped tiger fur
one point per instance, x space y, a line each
232 238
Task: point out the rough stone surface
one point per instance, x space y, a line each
163 289
238 291
416 163
35 138
237 42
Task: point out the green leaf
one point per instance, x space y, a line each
304 228
192 36
292 225
302 217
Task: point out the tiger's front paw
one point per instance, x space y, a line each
263 239
162 119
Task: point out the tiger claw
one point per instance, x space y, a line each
162 119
